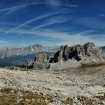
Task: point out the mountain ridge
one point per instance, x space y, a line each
35 48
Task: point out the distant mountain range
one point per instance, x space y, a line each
23 51
17 56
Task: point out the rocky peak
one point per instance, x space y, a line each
67 57
77 52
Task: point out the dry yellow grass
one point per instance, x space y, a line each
93 65
10 97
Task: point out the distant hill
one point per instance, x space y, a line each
18 56
8 52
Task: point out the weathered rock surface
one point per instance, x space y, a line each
40 62
75 56
67 57
77 52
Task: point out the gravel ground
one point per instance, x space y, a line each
84 86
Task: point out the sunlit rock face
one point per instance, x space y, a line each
68 57
77 52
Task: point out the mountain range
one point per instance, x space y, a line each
22 51
18 56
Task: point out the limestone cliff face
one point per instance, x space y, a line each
41 62
77 52
68 57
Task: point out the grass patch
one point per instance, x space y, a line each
85 100
93 65
16 97
68 101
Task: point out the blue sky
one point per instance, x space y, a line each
51 22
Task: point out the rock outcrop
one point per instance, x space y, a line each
41 62
75 56
68 57
77 52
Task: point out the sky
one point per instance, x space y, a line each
51 22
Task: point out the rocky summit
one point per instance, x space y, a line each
68 57
75 56
77 52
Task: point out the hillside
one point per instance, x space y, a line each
80 86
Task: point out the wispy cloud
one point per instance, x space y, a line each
54 3
71 5
63 37
21 6
50 2
16 6
58 3
53 20
45 15
47 33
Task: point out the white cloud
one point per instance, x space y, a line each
63 37
45 15
54 3
53 20
57 3
21 6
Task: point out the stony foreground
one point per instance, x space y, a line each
82 86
